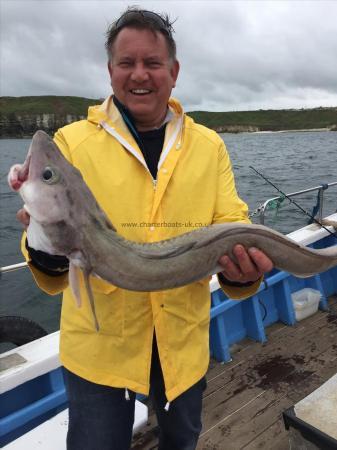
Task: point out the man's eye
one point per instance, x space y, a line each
154 64
124 64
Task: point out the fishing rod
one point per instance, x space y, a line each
293 201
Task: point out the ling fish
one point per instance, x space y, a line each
65 219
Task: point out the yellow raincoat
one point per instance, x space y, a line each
194 187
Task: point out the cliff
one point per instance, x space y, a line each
25 125
22 116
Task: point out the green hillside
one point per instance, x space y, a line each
18 115
270 120
46 104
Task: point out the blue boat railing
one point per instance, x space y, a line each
234 320
30 404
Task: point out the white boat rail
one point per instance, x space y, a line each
321 189
13 267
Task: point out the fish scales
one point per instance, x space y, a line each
50 187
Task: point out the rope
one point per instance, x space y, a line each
276 205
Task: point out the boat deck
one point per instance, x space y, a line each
245 398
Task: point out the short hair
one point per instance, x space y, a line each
142 19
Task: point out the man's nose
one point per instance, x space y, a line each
139 73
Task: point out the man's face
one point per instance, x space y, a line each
142 75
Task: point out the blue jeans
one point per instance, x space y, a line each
101 418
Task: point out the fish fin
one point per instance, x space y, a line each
91 297
303 275
162 253
218 233
93 274
217 269
199 240
108 223
73 277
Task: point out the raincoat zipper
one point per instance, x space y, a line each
179 128
111 130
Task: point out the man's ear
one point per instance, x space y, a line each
175 71
110 68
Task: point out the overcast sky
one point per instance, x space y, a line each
234 55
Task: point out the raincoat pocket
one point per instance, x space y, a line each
199 301
110 308
109 303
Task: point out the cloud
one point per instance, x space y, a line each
234 55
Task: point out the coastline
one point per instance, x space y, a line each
304 130
294 131
20 117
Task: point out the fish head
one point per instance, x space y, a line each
45 181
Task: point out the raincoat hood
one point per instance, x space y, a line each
107 111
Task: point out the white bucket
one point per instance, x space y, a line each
305 302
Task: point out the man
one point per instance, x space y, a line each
151 166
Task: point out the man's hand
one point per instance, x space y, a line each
251 264
23 217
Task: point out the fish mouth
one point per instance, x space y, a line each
23 173
19 174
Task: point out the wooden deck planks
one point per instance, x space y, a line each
245 398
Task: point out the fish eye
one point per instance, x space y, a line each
47 174
50 176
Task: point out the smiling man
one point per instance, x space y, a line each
142 74
156 174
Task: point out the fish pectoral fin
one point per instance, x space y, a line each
162 253
86 274
74 283
78 262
